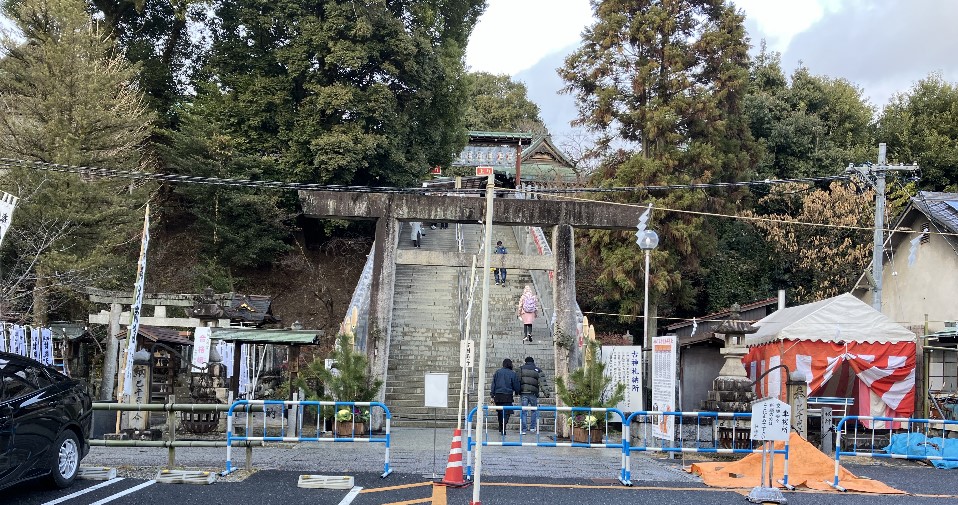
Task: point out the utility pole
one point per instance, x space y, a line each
483 339
874 175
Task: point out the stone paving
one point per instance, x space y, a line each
413 450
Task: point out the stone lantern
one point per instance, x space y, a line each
732 389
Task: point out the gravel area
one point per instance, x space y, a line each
413 450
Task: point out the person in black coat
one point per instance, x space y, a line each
532 384
505 385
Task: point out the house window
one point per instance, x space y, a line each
925 237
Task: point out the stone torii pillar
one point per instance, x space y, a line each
390 209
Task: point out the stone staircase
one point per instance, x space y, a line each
426 328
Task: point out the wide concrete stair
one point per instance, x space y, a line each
426 329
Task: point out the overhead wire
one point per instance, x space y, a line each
557 193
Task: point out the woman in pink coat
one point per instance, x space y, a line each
527 310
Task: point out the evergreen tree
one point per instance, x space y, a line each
336 91
67 97
808 127
921 126
238 228
667 80
497 103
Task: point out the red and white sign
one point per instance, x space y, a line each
436 170
483 170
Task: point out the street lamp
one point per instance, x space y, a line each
647 240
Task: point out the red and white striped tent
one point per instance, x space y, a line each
845 348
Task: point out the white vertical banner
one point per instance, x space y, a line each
244 379
623 363
4 331
226 353
134 327
201 346
663 385
35 344
18 340
8 202
46 346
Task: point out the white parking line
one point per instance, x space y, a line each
350 496
85 491
121 494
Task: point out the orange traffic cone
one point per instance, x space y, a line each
454 477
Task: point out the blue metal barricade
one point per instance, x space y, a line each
694 432
347 426
596 430
896 438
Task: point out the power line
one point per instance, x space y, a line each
283 185
560 193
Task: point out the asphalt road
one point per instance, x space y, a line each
924 484
511 475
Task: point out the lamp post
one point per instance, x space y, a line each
647 240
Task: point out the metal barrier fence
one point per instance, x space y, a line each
867 441
597 436
343 429
170 442
697 432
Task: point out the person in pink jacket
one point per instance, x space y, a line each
527 310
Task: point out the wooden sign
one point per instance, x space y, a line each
483 170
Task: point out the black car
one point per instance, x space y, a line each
45 421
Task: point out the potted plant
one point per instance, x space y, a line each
348 381
350 422
587 386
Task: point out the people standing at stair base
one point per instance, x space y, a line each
415 233
505 385
500 272
532 383
527 311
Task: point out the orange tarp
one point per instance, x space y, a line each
808 467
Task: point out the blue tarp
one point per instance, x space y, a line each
918 446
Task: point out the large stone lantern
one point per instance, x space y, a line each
732 390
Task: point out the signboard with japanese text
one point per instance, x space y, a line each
770 419
663 385
138 420
436 170
623 363
201 346
467 353
481 170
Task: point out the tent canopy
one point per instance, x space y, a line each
843 318
843 347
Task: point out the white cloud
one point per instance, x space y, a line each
779 21
512 35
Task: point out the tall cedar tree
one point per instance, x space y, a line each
666 78
67 97
338 91
239 228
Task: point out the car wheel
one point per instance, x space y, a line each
65 460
